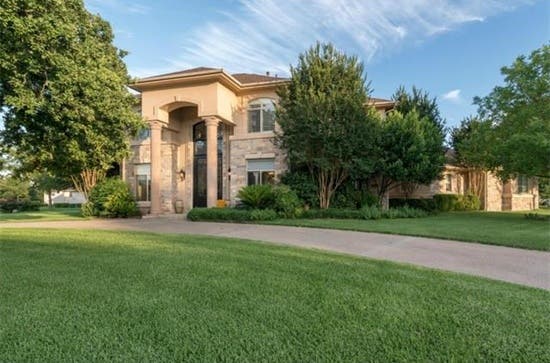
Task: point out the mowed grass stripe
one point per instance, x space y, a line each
122 296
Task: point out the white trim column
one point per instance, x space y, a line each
156 160
211 160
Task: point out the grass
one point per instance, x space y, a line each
122 296
496 228
44 214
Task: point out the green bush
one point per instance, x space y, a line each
304 186
67 205
24 205
259 196
231 214
349 196
427 204
371 212
333 213
111 198
446 202
456 202
468 202
286 202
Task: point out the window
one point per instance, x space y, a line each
260 171
449 182
143 134
261 115
143 182
522 184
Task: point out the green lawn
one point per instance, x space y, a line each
44 214
498 228
120 296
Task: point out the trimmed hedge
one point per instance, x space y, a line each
66 205
427 204
9 206
456 202
231 214
366 213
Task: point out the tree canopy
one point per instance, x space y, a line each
322 117
519 115
63 86
420 101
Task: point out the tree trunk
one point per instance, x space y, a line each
49 197
86 180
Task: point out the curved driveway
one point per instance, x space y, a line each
520 266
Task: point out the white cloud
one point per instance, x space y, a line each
453 95
261 35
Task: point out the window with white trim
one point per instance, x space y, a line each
143 182
261 115
260 171
522 184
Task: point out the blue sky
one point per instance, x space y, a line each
452 49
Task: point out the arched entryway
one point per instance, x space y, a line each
200 164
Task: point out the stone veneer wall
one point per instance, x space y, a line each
243 149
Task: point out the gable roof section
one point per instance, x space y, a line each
246 78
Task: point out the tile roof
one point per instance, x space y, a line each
185 71
246 78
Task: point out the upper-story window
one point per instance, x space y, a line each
261 115
522 184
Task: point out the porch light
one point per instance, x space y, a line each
182 175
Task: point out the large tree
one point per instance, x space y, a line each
519 112
420 101
323 121
472 142
63 88
408 149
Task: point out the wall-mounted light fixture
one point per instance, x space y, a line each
229 174
182 175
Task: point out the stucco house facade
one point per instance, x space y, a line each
210 134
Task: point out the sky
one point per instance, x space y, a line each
452 49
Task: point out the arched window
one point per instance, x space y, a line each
261 115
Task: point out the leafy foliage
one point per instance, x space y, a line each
426 204
63 88
111 198
286 202
457 202
323 105
23 205
258 196
519 115
231 214
419 101
301 182
408 149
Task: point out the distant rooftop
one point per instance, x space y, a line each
243 78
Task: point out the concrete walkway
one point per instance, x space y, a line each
520 266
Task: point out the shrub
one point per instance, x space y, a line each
286 202
257 196
67 205
446 202
456 202
427 204
350 196
333 213
230 214
111 198
468 202
371 212
304 186
23 205
537 217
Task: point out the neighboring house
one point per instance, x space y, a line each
70 196
210 134
517 194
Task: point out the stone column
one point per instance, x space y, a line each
156 176
211 161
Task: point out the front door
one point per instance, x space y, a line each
199 165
